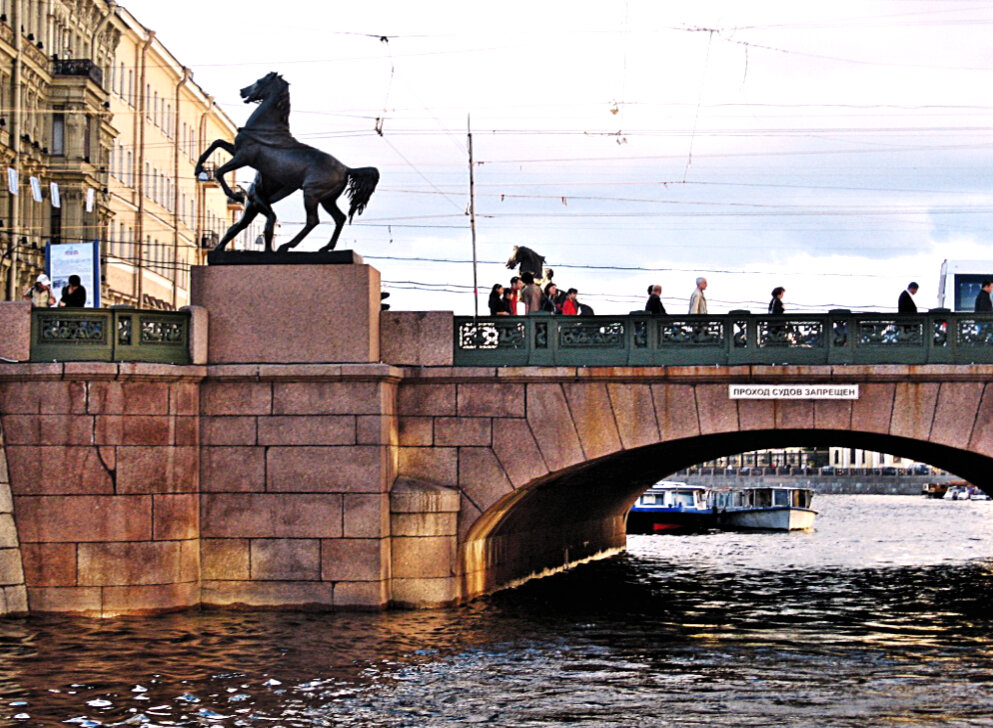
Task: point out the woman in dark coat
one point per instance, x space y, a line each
776 304
498 305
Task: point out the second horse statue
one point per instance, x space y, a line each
283 165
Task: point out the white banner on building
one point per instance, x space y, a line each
12 180
56 198
90 196
81 259
35 188
793 391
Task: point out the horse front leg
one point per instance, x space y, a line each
232 164
310 207
217 144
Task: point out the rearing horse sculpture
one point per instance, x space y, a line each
283 166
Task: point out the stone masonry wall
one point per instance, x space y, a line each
297 465
103 466
13 595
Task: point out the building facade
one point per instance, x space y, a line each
100 128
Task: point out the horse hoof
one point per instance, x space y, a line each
283 248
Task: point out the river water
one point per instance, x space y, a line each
882 616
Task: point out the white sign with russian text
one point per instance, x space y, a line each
793 391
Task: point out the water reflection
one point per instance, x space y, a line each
879 617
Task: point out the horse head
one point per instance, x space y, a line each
263 88
512 262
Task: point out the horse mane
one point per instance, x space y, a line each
282 103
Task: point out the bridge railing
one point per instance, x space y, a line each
837 337
110 334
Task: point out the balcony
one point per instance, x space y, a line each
78 67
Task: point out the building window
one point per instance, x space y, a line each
58 135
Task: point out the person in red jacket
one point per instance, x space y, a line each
570 307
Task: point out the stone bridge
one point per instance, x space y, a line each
310 459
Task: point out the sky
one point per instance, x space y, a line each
839 150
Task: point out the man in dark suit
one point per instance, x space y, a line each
906 303
983 302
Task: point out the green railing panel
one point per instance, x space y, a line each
838 337
110 334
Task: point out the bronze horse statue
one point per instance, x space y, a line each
531 262
283 165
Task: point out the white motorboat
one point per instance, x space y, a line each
770 508
670 506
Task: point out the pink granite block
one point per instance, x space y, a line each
362 595
65 600
232 469
553 428
482 477
189 560
468 519
15 323
981 439
327 398
423 400
756 414
423 557
305 595
355 469
307 430
148 599
145 398
794 414
518 452
376 430
355 559
125 564
417 338
833 414
717 411
634 413
49 564
872 411
269 515
416 431
186 430
463 431
228 430
591 410
433 464
955 413
67 519
332 316
184 398
366 515
675 407
43 397
286 559
67 470
105 398
147 430
225 558
175 517
491 400
913 409
157 470
48 429
236 398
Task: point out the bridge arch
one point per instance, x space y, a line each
571 450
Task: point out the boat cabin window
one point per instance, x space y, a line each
781 497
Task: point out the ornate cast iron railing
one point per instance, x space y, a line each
78 67
110 334
838 337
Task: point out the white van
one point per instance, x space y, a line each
960 282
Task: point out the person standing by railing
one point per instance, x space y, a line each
776 304
497 304
74 294
654 303
530 294
548 303
570 307
698 302
984 304
512 294
906 303
40 294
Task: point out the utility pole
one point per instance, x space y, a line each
472 222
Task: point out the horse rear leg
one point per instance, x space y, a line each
310 207
339 222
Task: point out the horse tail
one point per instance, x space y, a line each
361 184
